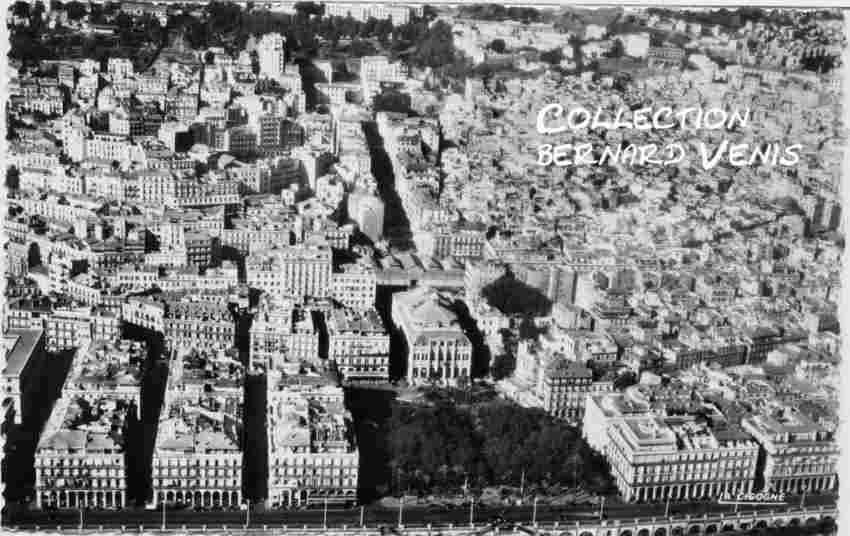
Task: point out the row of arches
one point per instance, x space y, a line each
284 498
704 528
287 498
198 498
715 528
81 499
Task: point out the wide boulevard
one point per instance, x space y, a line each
376 516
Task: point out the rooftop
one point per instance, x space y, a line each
350 320
20 345
87 426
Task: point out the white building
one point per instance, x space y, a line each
680 458
368 211
354 285
635 44
79 460
594 31
437 348
377 69
799 453
312 455
119 68
271 51
197 460
601 410
291 272
358 344
398 14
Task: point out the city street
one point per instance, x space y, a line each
373 516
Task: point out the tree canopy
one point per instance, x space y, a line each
75 10
21 9
436 48
500 12
310 8
437 447
498 46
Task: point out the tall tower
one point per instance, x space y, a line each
271 52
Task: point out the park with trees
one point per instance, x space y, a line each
451 440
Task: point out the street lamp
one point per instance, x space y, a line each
325 514
400 509
163 512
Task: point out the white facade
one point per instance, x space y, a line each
653 459
636 45
312 458
377 69
437 348
271 51
295 271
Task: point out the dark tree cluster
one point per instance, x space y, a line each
501 12
724 17
421 44
434 46
138 38
438 448
76 10
305 29
310 8
21 9
222 18
624 380
497 45
25 43
736 18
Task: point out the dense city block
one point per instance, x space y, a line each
270 256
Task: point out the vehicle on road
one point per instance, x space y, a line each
572 515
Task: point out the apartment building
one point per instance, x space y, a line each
313 458
358 344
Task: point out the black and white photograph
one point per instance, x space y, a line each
451 269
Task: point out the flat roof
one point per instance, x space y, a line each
20 344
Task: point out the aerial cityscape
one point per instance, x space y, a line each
300 266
